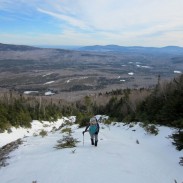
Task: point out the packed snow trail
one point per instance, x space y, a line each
117 158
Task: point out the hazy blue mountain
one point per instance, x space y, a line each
11 47
99 48
139 49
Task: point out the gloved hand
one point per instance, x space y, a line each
96 133
83 132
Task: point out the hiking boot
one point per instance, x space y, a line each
96 143
92 142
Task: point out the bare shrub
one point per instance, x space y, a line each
43 133
151 129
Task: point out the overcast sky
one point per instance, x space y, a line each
92 22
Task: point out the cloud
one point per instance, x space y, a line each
70 20
135 22
116 15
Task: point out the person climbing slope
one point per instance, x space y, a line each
93 130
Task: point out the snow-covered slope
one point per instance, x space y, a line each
118 158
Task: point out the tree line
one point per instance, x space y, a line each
18 110
160 105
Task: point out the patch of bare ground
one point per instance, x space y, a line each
6 150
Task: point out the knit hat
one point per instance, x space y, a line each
93 120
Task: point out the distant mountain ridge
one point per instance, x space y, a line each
99 48
117 48
11 47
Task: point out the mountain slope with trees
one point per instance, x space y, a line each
161 105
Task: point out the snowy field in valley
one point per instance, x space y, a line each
118 157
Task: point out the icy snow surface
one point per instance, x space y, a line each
116 159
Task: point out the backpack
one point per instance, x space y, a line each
93 128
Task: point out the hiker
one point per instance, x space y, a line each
93 130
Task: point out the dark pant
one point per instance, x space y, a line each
94 137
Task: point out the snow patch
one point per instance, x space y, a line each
177 72
48 93
101 117
144 66
50 82
47 74
131 73
72 119
29 92
20 132
80 78
68 81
